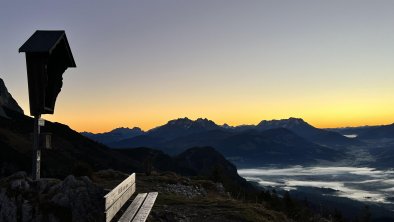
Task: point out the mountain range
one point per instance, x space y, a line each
185 127
288 141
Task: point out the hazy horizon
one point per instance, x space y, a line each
142 63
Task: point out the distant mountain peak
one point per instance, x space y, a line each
202 120
187 123
226 126
125 130
206 122
182 126
180 121
286 123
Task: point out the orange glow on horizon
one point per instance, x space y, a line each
347 108
105 125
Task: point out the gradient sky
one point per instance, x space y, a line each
142 63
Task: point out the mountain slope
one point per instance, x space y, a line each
70 149
275 146
7 101
351 130
198 161
114 135
252 148
378 132
246 147
207 138
313 134
207 162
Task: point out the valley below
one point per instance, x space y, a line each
363 180
349 189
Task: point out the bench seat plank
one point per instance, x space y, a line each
133 208
115 207
118 191
146 207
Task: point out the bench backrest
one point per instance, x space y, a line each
116 198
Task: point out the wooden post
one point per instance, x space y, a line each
36 149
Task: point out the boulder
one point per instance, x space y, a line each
73 199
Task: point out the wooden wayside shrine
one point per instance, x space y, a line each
138 210
48 56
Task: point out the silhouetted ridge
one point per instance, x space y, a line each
7 101
181 127
285 123
203 162
207 162
70 150
114 135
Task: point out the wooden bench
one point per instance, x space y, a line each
138 210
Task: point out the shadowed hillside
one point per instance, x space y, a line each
247 148
70 152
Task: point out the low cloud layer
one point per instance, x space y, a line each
357 183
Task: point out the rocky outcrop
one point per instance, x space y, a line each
7 101
73 199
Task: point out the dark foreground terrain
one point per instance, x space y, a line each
180 199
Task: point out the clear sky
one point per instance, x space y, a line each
142 63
